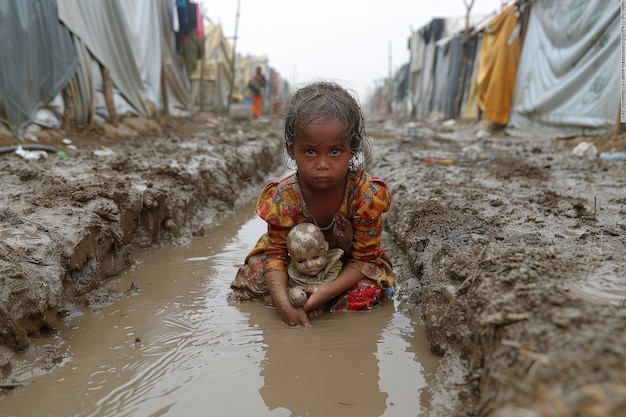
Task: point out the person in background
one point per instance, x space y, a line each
325 137
257 86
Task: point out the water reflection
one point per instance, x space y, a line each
179 348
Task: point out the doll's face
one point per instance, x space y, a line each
308 251
309 260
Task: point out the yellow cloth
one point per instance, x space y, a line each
497 66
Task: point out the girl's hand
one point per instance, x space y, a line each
318 296
293 316
277 284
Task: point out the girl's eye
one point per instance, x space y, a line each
316 257
310 152
335 152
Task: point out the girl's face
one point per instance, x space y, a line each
320 154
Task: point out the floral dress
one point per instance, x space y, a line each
356 229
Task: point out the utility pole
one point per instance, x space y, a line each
389 82
232 60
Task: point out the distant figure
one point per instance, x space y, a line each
257 85
311 262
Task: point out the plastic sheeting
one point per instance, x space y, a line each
38 58
124 49
497 67
568 75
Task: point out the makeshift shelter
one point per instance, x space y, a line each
497 68
37 47
448 68
67 45
127 38
568 78
437 67
210 81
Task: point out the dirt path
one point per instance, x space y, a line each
518 246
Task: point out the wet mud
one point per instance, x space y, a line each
171 343
516 247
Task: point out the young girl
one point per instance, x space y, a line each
325 137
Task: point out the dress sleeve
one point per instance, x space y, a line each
274 206
371 199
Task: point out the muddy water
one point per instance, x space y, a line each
176 347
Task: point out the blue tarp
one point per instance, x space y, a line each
38 58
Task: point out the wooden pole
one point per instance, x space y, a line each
232 60
618 122
68 112
108 94
164 96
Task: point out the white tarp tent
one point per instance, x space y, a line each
568 76
55 46
128 38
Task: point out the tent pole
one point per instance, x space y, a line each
108 94
232 59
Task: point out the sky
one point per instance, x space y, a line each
354 42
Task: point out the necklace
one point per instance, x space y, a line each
325 228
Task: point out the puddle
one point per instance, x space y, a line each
177 347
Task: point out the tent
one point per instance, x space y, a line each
568 75
66 44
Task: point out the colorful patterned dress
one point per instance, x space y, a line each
356 229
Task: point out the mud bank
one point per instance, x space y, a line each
67 220
518 248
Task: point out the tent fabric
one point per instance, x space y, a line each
448 70
568 82
35 47
83 91
497 67
469 108
176 82
423 52
105 28
435 65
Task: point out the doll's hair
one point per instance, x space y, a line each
305 235
327 99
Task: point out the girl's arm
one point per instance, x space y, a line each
325 292
276 282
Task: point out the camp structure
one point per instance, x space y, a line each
568 76
535 68
73 63
85 62
211 77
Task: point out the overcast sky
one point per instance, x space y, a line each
346 40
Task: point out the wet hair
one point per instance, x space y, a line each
327 99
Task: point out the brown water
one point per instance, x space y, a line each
198 355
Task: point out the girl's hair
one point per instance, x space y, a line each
326 99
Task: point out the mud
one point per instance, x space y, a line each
517 246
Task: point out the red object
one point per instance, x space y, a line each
439 161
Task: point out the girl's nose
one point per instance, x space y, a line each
323 162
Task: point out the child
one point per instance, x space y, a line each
312 263
325 137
